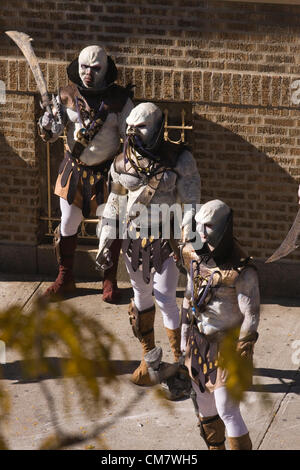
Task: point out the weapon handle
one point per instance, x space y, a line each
49 109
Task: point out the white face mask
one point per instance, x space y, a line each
92 62
211 220
144 121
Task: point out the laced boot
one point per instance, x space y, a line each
174 337
111 292
65 250
240 443
178 386
142 323
212 430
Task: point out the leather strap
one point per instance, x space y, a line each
117 188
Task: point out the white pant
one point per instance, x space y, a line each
162 285
220 403
71 217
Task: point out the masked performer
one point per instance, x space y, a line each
151 172
93 109
222 294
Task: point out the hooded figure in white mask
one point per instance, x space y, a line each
150 172
222 295
93 63
93 110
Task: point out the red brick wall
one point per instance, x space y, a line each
19 176
235 62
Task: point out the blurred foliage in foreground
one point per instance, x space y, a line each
84 348
239 369
84 342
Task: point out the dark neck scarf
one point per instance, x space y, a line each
221 254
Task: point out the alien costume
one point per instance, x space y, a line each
93 111
150 172
222 294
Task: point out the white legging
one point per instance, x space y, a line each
71 217
219 402
163 286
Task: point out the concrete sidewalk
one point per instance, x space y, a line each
271 409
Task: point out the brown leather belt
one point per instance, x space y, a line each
149 254
91 179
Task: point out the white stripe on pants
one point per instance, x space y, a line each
162 285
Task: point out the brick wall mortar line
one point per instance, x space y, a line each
244 106
178 69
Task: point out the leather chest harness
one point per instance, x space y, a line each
202 354
74 174
149 253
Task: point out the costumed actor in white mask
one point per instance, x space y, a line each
94 109
222 294
151 172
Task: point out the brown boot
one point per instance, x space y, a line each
111 293
143 328
178 386
212 429
65 250
174 337
240 443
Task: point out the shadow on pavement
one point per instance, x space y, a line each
282 301
17 370
126 294
288 381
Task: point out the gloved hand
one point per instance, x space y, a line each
245 346
104 260
47 120
49 125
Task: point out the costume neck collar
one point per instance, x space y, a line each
109 79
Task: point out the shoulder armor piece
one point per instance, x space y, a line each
68 94
114 96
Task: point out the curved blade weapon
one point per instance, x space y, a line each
23 41
290 243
